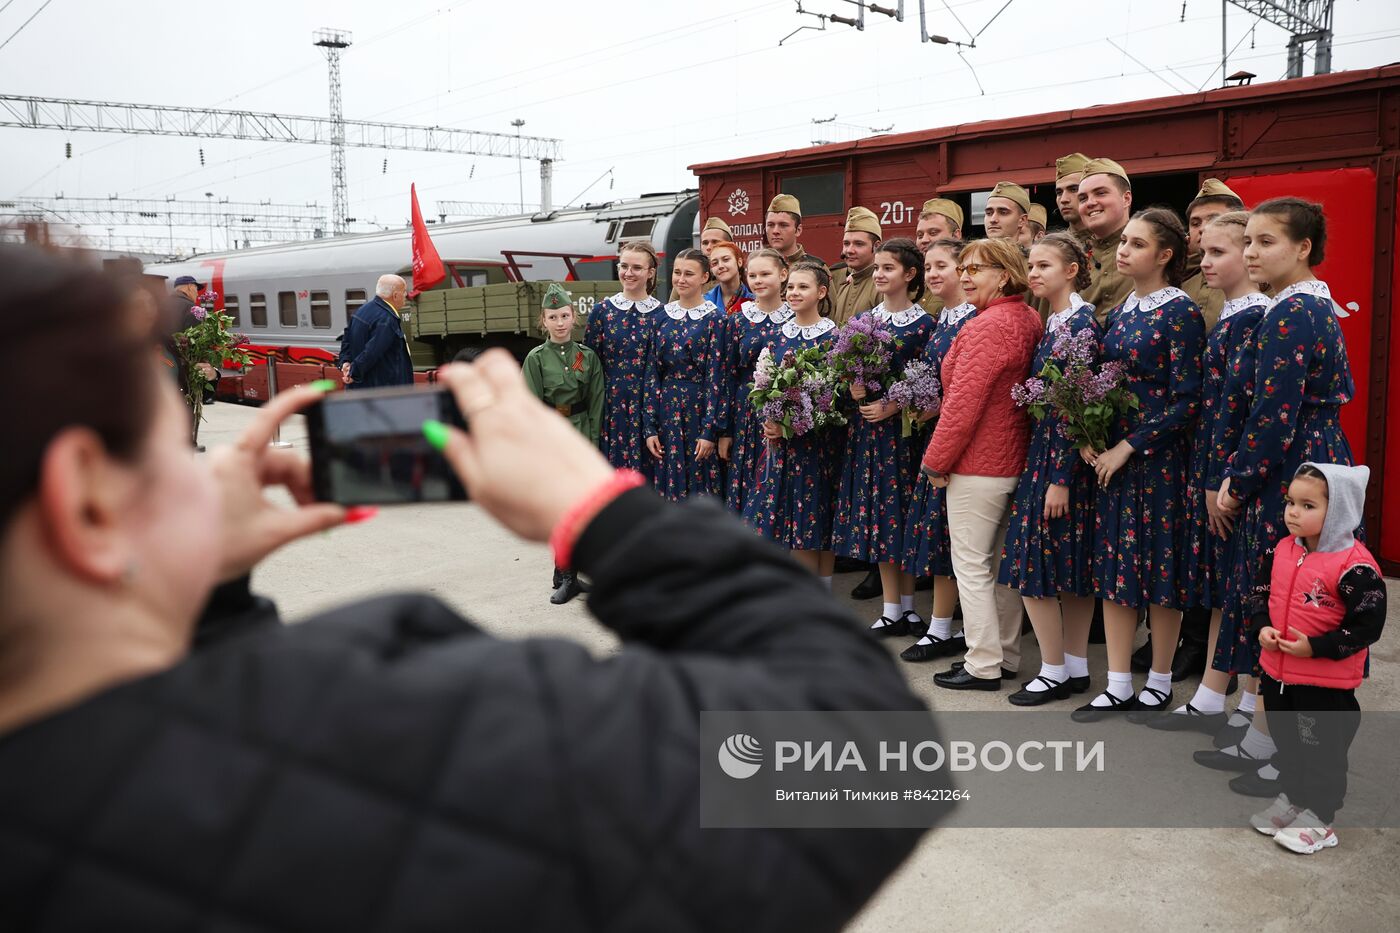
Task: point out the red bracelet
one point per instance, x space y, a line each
566 533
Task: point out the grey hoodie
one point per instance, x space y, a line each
1346 499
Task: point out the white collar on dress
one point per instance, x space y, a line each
954 315
675 312
1234 306
898 318
1058 319
1153 301
793 329
645 306
755 315
1306 287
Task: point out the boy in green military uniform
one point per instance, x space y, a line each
1210 202
1068 172
1105 204
940 219
853 284
568 378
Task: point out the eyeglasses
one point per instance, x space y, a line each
973 268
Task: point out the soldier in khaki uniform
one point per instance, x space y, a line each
1034 229
1210 202
853 288
940 219
715 231
1008 209
1068 171
783 228
1105 204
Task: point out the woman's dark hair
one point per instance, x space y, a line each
907 255
1170 233
694 255
1070 251
823 276
69 357
1311 472
1303 220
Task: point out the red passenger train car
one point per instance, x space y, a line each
1331 138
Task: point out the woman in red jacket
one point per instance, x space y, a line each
978 451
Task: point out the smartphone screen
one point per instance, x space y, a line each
367 447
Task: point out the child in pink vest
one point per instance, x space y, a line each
1316 606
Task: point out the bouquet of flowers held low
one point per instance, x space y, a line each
797 392
918 391
211 340
1087 400
861 356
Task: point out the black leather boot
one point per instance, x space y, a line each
868 588
557 575
568 588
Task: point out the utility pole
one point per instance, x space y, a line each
1307 21
331 41
519 165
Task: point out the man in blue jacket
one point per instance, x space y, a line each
373 352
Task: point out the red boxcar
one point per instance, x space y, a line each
1332 138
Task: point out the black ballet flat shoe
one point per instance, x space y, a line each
1251 784
961 680
1055 690
1091 713
1079 684
1219 761
960 664
568 588
1142 658
1193 720
868 588
891 628
941 648
1144 712
1231 735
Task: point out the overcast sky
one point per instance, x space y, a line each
645 87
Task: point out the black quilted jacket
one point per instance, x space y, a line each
388 766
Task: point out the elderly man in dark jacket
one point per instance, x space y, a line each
373 352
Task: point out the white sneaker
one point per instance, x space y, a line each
1280 814
1306 835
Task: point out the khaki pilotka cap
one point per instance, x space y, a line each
785 203
556 297
1105 167
1071 164
1038 215
945 207
1215 188
714 223
1012 192
862 220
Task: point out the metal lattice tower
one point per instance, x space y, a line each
331 41
1307 20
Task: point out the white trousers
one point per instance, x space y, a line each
979 508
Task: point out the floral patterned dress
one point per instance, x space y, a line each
1140 519
877 477
1296 377
927 550
1222 417
744 335
679 398
617 331
790 500
1046 557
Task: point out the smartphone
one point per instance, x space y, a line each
367 447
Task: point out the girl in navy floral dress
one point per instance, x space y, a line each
1301 380
617 331
1049 541
744 336
678 414
790 501
877 478
1210 538
927 549
1140 510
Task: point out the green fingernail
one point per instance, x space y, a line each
324 385
437 434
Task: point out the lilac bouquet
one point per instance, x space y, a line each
861 355
797 392
1086 399
917 392
210 340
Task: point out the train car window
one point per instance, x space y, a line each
637 229
819 194
257 309
354 297
287 309
231 309
612 232
320 309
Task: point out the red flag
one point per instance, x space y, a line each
428 269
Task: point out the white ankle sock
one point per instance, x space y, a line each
1237 719
890 611
1268 773
1120 685
906 603
1247 702
1075 666
1156 681
1256 744
1206 700
938 628
1054 672
826 582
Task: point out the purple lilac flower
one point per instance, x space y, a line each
198 312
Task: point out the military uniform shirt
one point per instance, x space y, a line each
569 379
1211 301
1107 286
853 294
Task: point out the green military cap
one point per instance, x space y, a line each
785 203
1070 164
1038 215
714 223
945 207
1215 188
1105 167
862 220
1012 192
555 297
